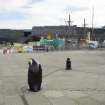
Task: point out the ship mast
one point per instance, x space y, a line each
69 26
84 27
92 20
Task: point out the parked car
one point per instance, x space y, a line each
28 48
102 45
92 45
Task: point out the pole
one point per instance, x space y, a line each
92 20
84 27
69 26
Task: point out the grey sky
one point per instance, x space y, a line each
29 13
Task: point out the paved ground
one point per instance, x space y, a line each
83 85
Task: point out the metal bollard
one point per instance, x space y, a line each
68 64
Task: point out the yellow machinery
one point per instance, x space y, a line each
18 47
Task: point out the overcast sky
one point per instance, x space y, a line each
24 14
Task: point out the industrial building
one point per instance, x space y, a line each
20 36
69 32
72 32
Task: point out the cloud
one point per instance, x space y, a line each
49 12
75 8
12 4
12 15
26 7
34 1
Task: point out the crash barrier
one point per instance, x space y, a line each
7 51
40 48
23 49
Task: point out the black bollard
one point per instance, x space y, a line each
47 49
68 64
34 75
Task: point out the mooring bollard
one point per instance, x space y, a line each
68 64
